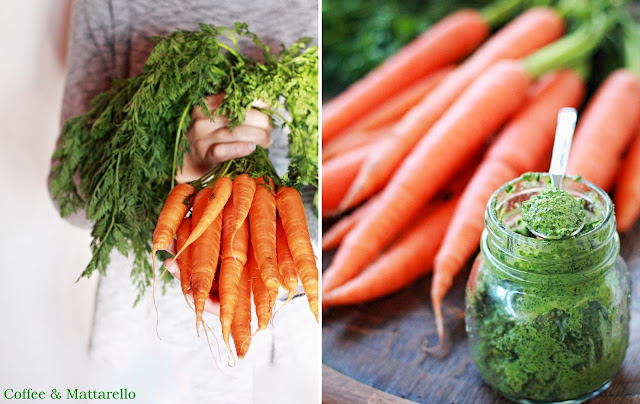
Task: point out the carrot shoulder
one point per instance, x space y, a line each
527 33
243 190
219 196
606 128
407 259
174 210
453 140
446 42
171 215
294 222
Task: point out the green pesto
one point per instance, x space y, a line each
554 213
548 320
564 341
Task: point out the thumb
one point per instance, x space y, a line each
172 266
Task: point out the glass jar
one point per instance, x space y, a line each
548 320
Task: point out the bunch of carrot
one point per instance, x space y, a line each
411 160
238 238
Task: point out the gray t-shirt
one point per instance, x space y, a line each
113 39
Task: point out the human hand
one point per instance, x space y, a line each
212 143
212 304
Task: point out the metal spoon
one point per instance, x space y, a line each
560 156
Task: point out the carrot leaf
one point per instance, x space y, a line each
117 161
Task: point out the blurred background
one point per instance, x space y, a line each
45 315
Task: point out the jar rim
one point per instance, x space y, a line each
491 205
583 253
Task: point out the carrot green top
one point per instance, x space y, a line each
133 136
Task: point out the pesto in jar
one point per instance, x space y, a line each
554 213
548 319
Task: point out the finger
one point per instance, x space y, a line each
172 267
212 306
212 101
171 248
190 170
205 127
259 104
242 133
249 134
205 153
227 151
258 119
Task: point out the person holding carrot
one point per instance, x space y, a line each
110 39
212 143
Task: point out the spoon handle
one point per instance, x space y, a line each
562 145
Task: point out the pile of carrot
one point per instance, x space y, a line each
410 164
238 239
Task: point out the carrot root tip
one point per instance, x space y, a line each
443 347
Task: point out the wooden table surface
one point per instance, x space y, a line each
372 353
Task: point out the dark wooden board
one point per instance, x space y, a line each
379 344
338 388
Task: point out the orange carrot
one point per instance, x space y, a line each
527 139
215 288
185 260
241 326
261 297
206 252
336 233
409 258
244 187
522 144
294 222
527 33
446 42
374 122
262 221
234 257
353 140
286 265
627 192
171 215
393 109
606 128
170 218
337 175
454 139
220 195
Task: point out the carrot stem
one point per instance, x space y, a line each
566 51
273 174
212 175
500 11
631 45
175 148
